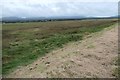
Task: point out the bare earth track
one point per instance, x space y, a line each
92 57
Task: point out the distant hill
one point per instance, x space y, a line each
20 19
11 19
43 19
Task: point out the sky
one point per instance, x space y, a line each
47 8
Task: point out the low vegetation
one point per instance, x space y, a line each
116 71
25 42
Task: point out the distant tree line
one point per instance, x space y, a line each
46 20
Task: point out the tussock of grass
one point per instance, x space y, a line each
19 53
116 72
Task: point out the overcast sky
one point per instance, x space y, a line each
45 8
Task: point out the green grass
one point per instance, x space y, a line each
118 67
116 71
22 45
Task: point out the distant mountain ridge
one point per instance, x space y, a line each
21 19
28 19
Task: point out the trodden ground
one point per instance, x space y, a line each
92 57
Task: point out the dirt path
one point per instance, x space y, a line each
91 57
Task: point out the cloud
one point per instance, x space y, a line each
37 8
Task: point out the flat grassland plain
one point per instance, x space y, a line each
24 43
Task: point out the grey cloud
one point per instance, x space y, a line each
60 9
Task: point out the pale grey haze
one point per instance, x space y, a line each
47 8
